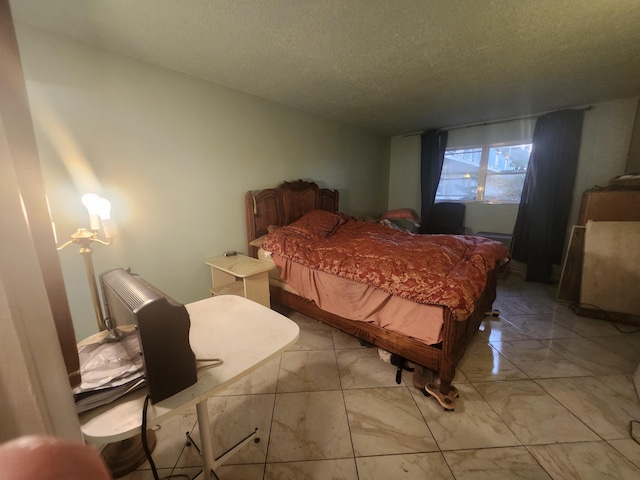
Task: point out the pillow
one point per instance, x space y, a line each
403 224
257 242
406 213
317 224
266 256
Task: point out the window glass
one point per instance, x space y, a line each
490 173
460 170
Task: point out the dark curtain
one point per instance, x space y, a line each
541 225
433 146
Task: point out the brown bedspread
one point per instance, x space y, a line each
446 270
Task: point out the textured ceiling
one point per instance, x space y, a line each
392 66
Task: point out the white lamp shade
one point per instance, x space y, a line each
99 209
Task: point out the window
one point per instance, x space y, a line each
489 173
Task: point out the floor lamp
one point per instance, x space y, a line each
125 456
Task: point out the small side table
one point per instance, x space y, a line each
241 275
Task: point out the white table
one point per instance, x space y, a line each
241 275
241 332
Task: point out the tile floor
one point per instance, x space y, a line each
545 394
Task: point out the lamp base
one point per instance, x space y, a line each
126 456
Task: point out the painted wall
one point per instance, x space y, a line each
606 136
175 156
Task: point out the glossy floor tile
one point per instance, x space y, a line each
495 463
544 394
309 426
386 421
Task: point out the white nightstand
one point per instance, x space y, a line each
241 275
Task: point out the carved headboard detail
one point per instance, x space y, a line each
284 205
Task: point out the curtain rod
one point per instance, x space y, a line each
513 119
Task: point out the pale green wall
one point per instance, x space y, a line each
606 136
175 155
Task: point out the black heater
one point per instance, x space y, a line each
163 327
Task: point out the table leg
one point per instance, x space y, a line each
206 440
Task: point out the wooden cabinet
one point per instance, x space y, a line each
610 206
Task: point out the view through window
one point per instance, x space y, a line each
488 173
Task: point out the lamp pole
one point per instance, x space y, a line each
84 238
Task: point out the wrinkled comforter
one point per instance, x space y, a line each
446 270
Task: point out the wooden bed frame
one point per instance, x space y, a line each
288 202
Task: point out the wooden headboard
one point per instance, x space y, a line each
283 205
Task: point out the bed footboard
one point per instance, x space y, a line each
457 335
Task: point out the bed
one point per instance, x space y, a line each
431 348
